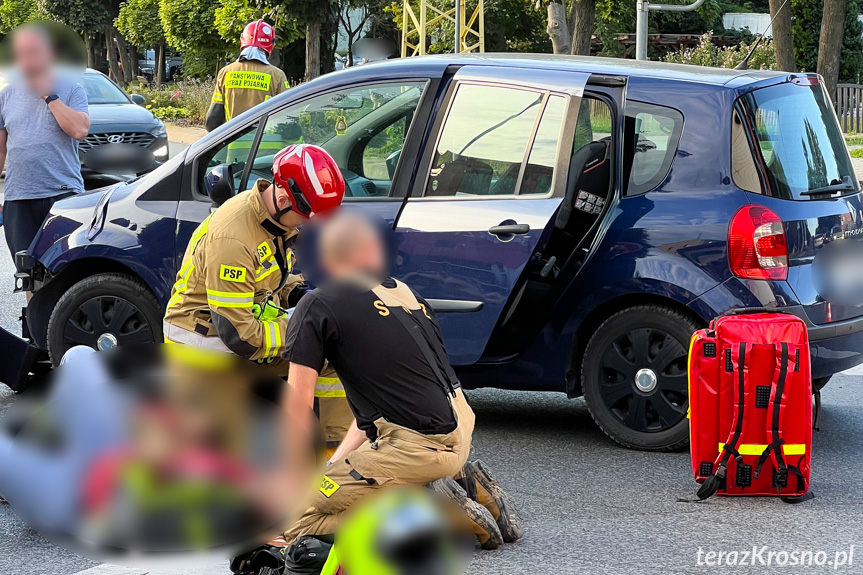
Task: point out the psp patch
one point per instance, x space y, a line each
232 273
328 487
264 250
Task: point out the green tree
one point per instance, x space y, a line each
233 15
190 27
13 13
139 22
807 32
318 17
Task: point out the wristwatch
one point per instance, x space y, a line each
51 98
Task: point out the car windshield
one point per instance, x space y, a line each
799 140
101 90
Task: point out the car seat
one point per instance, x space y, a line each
462 176
587 188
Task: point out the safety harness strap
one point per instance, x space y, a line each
426 343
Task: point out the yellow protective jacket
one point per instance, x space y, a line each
236 258
245 84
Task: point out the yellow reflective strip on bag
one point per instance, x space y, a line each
329 387
758 449
794 449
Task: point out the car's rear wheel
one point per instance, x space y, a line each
634 375
102 311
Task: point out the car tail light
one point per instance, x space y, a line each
756 244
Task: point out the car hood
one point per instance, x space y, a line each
120 114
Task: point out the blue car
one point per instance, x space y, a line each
571 220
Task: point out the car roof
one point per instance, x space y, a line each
594 65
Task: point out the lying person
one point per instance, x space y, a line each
412 425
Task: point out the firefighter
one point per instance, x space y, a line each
237 279
412 423
248 81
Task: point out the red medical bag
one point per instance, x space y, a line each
750 406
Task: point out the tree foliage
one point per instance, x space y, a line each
13 13
190 25
81 15
807 31
233 15
139 22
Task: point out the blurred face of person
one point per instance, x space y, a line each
34 59
351 246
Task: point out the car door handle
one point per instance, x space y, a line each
505 229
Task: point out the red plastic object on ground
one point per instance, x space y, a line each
750 398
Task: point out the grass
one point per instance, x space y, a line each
858 153
854 140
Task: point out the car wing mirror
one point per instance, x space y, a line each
219 184
392 161
138 99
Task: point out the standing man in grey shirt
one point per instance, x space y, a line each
42 118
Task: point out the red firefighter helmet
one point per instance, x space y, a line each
259 34
311 177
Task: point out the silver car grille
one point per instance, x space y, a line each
142 139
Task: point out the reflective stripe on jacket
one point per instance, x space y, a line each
233 262
245 84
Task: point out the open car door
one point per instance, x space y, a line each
487 190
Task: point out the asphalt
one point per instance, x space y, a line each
590 506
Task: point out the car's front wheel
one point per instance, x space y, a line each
102 311
634 375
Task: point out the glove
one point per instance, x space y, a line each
268 312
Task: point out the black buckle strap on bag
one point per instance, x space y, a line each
774 449
432 351
717 481
801 484
774 432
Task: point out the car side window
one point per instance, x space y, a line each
233 151
484 139
363 128
653 134
383 149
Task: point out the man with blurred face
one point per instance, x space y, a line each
42 117
412 423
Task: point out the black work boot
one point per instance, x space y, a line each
484 526
490 494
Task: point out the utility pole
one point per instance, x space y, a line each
642 9
457 18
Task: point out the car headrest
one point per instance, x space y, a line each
465 175
588 177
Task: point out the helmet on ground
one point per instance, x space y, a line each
259 34
311 177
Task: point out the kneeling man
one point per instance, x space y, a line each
413 425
